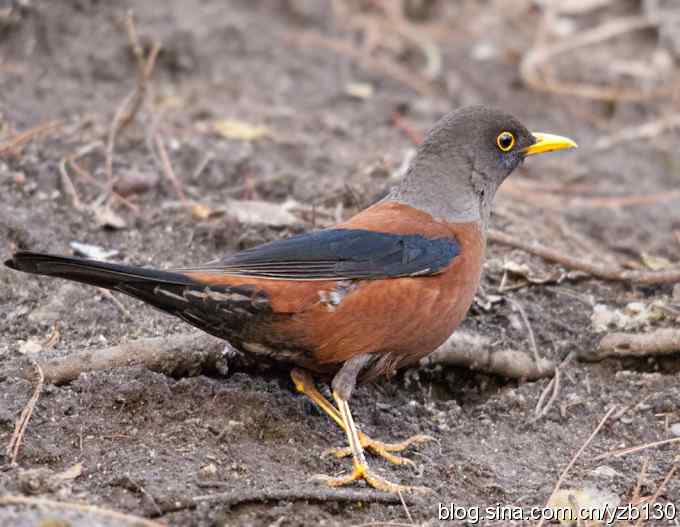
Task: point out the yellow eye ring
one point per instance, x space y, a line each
505 141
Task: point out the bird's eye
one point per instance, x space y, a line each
505 141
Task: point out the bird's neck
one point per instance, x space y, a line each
442 196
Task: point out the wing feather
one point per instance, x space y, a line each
340 254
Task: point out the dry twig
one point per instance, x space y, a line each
69 187
549 199
564 473
633 449
659 489
110 296
474 351
236 498
22 422
637 497
553 388
168 170
530 67
73 159
173 355
668 276
132 102
145 66
659 342
525 319
634 133
24 137
314 494
79 507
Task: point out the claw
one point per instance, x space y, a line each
372 479
381 449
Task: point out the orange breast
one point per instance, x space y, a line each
403 319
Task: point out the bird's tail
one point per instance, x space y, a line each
139 282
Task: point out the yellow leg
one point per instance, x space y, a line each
343 417
305 384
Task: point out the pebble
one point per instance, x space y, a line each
208 471
604 471
135 182
30 347
675 429
676 293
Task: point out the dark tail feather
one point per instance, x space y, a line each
92 272
162 289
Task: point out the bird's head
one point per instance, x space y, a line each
465 158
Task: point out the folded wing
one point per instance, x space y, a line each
340 254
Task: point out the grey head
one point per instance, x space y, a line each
465 158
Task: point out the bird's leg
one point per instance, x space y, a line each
361 469
305 384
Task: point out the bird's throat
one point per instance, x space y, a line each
444 198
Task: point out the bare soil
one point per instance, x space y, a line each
148 443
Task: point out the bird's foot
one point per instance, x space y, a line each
374 480
382 449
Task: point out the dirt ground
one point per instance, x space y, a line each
149 443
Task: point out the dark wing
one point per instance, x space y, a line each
341 254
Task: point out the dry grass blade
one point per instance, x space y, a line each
553 389
131 104
22 422
659 489
68 186
408 512
24 137
525 319
638 448
145 66
110 296
530 67
636 498
168 171
558 485
634 133
668 276
555 200
83 508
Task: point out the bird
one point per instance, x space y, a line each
356 301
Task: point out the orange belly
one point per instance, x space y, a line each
401 319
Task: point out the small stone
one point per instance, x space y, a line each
135 182
208 471
604 471
234 425
35 480
19 178
484 50
676 293
92 251
634 308
675 429
360 90
30 346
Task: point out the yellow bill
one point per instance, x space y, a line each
548 143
